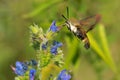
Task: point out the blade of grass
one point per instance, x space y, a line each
105 45
99 51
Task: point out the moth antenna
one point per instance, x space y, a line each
67 12
64 17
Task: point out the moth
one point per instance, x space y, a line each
77 27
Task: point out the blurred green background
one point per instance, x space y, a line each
101 62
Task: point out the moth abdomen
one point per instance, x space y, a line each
86 43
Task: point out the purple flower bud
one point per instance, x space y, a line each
44 46
34 62
32 74
53 27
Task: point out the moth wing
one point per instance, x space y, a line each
90 22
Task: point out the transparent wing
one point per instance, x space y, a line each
90 22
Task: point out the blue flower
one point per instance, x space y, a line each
58 44
64 75
32 74
20 68
53 27
54 47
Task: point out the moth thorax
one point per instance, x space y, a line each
72 27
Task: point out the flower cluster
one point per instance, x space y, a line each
49 57
21 68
